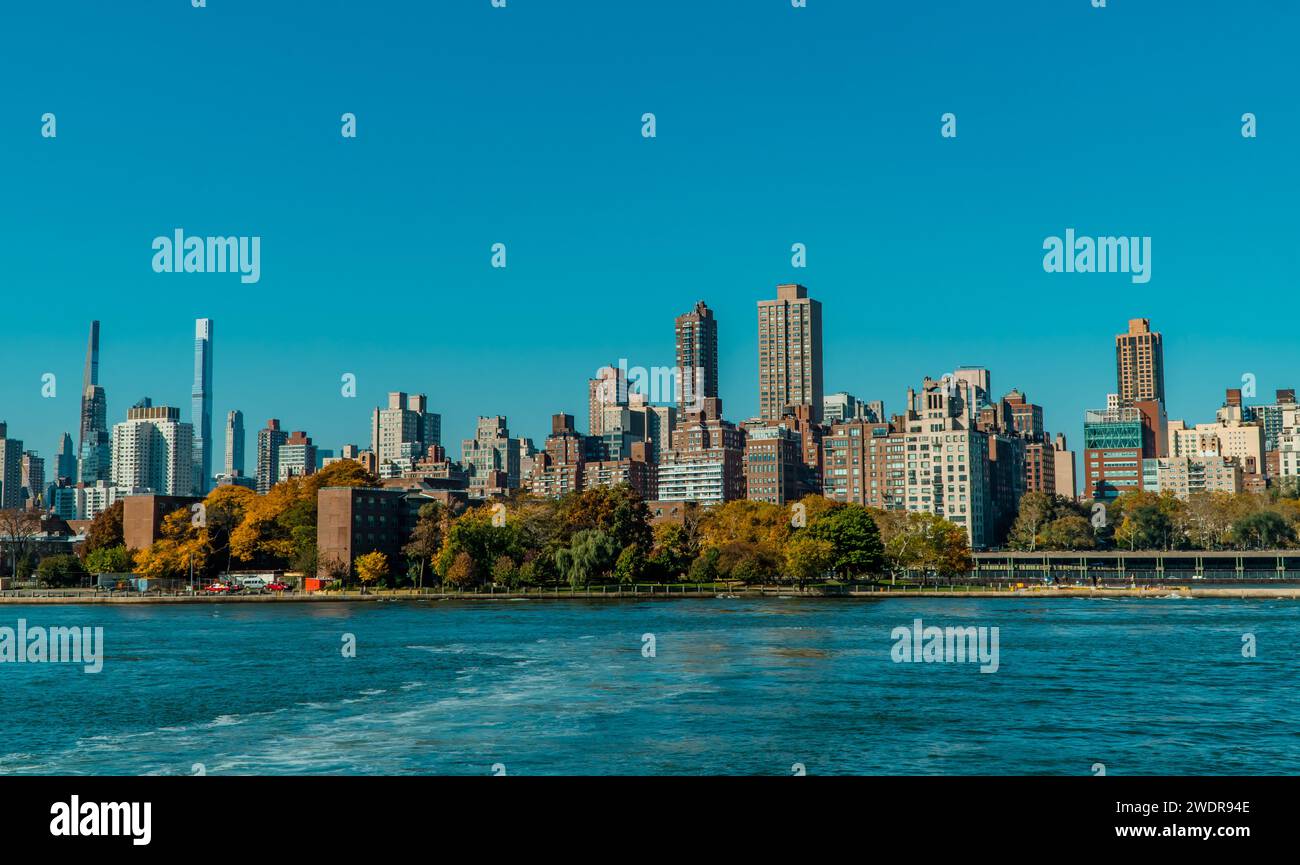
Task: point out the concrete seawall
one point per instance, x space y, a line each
1289 592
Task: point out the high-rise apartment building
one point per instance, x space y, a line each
1140 363
865 463
1063 469
33 478
790 353
774 468
405 429
1113 450
609 389
269 440
844 407
296 457
234 464
947 470
706 463
201 406
11 470
1182 476
491 455
153 451
697 357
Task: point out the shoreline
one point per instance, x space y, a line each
1291 592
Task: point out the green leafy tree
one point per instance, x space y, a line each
629 566
808 558
1071 532
854 537
589 555
426 536
705 567
1262 530
60 571
1035 512
109 560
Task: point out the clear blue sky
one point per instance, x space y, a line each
775 125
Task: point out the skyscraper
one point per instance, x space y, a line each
33 472
790 353
492 457
201 406
405 429
1140 363
94 445
65 467
697 357
154 450
234 443
11 470
269 440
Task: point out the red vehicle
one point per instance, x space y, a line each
277 587
216 589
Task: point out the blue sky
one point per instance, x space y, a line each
522 125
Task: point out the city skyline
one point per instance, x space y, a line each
633 231
202 354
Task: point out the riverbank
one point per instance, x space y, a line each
670 592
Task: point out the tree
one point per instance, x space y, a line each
1262 530
61 570
854 537
927 542
505 572
628 568
1035 511
705 567
589 555
460 571
371 567
808 558
109 560
672 552
426 537
105 529
1068 533
18 531
1145 524
472 533
617 511
182 547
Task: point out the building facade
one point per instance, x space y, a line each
790 353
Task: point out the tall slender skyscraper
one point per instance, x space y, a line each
790 353
201 406
697 357
235 443
94 444
1140 363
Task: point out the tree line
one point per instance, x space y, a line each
603 535
1142 520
